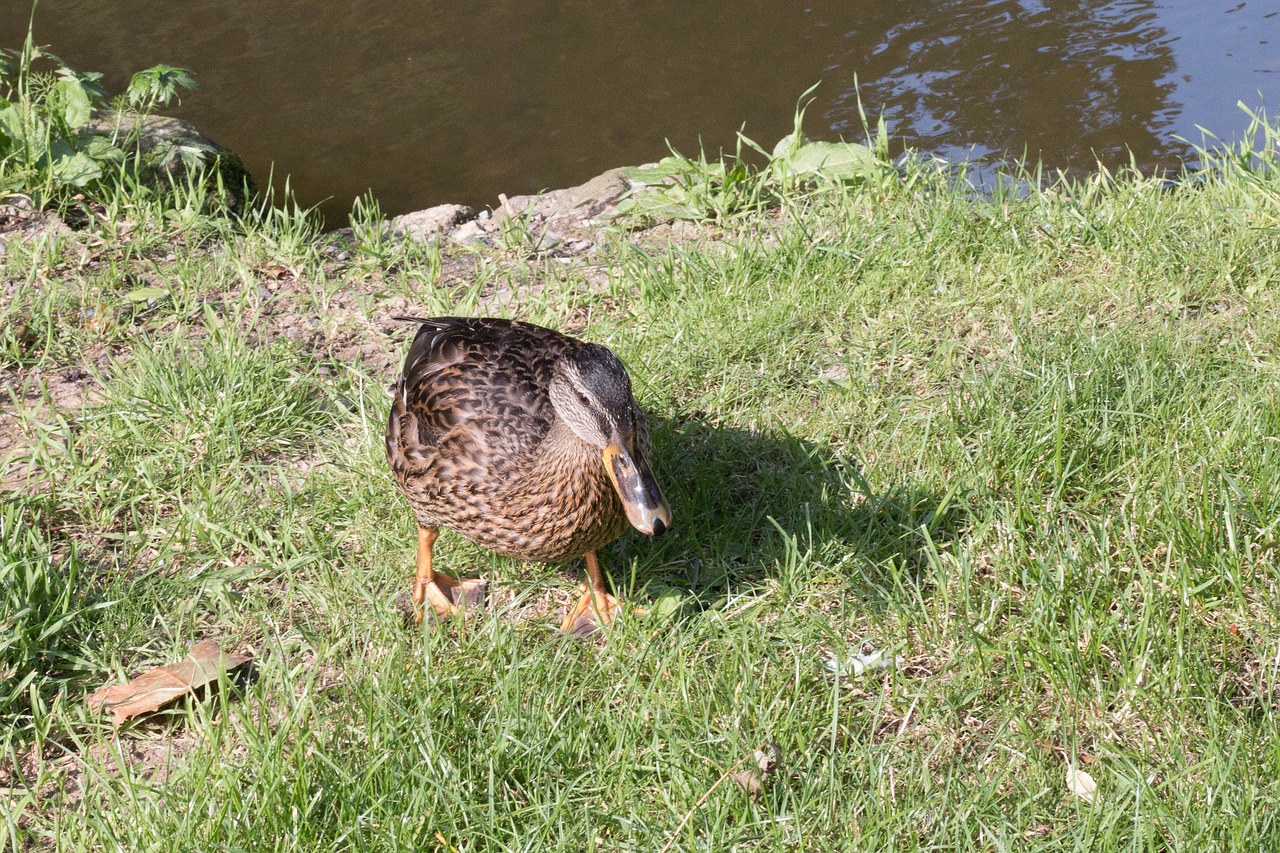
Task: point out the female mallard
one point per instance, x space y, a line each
525 441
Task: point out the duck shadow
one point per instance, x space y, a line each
744 502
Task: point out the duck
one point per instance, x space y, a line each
525 441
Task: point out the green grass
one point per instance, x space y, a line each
1026 443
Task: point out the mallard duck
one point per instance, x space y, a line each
525 441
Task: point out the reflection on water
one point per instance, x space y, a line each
431 102
1074 78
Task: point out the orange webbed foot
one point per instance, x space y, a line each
448 596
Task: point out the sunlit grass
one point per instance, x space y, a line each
1025 443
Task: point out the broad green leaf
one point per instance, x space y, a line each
142 294
76 95
78 169
787 144
10 122
667 167
840 161
100 148
74 102
159 84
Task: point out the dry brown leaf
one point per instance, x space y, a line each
156 687
768 761
276 271
749 780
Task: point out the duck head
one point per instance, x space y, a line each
591 392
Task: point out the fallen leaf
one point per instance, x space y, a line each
749 780
768 761
156 687
276 271
836 373
1080 783
769 758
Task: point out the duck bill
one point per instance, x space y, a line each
646 508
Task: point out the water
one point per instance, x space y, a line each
424 103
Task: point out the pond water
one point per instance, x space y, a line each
426 102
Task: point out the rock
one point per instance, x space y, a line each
548 241
426 226
566 221
171 148
596 199
559 223
500 300
835 373
471 234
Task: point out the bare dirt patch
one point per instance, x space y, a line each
30 397
55 777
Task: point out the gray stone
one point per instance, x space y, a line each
566 221
471 234
548 241
426 226
596 199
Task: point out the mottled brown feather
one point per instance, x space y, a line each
476 446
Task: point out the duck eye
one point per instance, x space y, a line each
584 399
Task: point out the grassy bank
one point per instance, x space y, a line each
1025 443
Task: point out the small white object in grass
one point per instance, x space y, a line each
1080 783
857 664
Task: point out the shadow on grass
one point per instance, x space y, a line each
745 502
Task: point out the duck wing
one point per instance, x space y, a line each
472 396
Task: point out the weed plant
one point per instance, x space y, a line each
66 142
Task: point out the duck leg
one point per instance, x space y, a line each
596 607
443 593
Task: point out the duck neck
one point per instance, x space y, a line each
562 445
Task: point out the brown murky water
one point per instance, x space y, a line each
424 102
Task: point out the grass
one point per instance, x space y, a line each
1025 443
